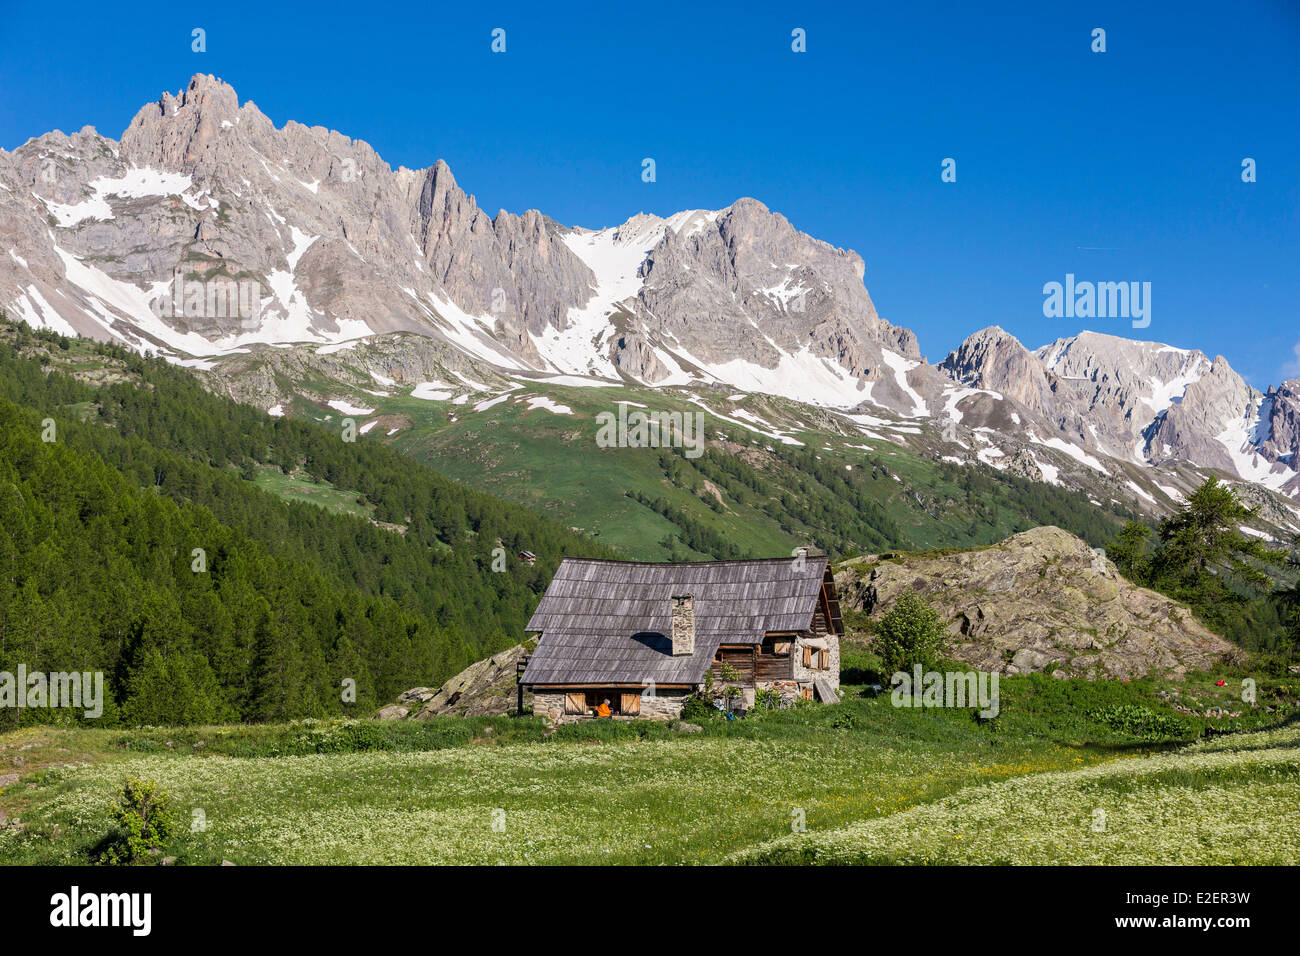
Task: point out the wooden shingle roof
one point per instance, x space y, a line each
609 621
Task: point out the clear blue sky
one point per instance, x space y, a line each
1116 166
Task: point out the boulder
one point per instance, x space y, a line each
1042 601
485 688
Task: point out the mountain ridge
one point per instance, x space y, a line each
335 247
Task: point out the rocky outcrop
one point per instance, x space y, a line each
1024 465
1041 601
485 688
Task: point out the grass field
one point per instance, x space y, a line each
298 488
693 799
871 783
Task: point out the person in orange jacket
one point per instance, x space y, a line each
603 710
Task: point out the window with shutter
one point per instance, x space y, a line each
824 659
631 704
575 703
807 657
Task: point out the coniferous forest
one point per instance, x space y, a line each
136 544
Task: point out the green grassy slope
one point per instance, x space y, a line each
760 489
308 490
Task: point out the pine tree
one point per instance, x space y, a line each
1203 537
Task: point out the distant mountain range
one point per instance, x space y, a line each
239 250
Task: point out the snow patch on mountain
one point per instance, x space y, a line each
789 290
541 401
801 376
954 396
1139 490
134 184
470 333
901 366
111 299
747 425
487 403
433 391
348 408
1071 449
39 314
1241 439
1165 394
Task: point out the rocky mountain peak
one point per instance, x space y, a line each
207 92
329 244
993 358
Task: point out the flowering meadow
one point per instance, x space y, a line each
861 782
1230 800
693 799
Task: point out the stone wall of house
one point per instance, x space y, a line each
546 704
667 704
831 673
664 705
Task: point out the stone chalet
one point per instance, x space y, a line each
612 630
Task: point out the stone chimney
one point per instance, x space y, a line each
683 625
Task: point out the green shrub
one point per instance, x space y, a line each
844 720
145 821
697 708
910 633
860 621
1140 722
